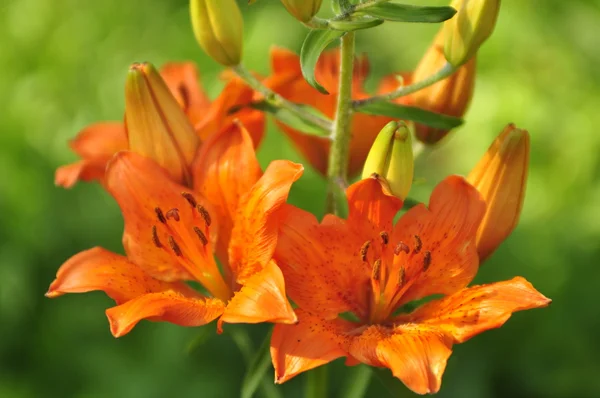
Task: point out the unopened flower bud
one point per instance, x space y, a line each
469 28
218 26
391 157
302 10
156 125
501 178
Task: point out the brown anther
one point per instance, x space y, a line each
385 238
205 214
364 249
201 236
190 198
401 247
426 260
401 276
173 213
155 237
376 270
418 244
160 215
175 246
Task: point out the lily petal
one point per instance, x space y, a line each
416 354
443 258
182 78
310 343
254 234
261 299
225 169
170 307
100 269
323 271
96 144
140 186
479 308
372 207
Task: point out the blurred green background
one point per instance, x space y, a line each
62 66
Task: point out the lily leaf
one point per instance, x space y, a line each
257 369
436 120
291 119
410 13
315 42
359 23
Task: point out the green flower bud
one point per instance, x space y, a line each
218 26
464 33
391 157
302 10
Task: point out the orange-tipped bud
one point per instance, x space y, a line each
391 157
465 32
219 29
156 125
302 10
501 178
450 96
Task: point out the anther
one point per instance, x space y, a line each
376 269
205 214
401 276
418 244
401 247
175 246
173 213
160 215
426 260
364 249
155 237
385 238
190 198
201 235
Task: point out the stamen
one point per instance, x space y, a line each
401 277
155 237
190 198
426 260
160 215
385 238
205 214
418 244
364 249
376 270
401 247
201 236
173 213
175 246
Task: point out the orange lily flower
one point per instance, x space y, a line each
450 96
97 143
287 80
168 239
371 268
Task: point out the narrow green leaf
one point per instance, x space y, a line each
203 336
436 120
291 119
358 381
315 42
359 23
257 369
340 6
410 13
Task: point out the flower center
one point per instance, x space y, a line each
394 269
190 245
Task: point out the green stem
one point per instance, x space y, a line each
441 74
316 383
277 100
337 171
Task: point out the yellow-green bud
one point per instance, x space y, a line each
302 10
391 157
218 26
464 33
